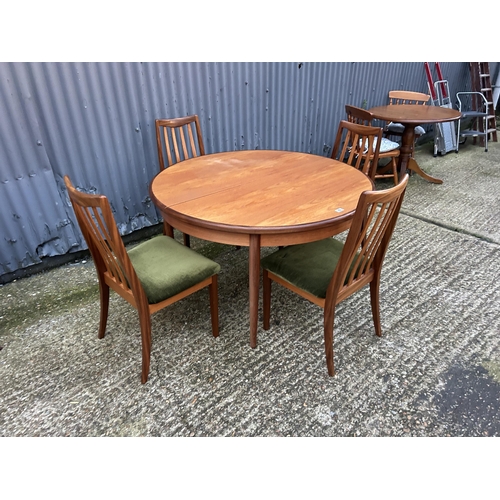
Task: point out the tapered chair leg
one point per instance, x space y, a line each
329 321
187 240
374 299
104 298
214 306
266 299
145 321
395 171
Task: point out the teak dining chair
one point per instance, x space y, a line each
388 149
405 97
150 276
178 139
326 272
358 146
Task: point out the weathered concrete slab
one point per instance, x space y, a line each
468 198
435 372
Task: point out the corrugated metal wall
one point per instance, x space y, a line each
95 122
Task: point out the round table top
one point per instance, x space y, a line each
414 113
259 190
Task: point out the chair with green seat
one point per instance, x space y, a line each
150 276
328 271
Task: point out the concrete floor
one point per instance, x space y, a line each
435 371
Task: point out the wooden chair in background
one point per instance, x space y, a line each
358 146
405 97
150 276
178 139
388 149
328 271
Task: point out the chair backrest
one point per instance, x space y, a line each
358 146
408 97
366 244
358 115
176 140
98 226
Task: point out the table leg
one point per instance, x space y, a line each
414 166
254 280
168 230
406 161
406 148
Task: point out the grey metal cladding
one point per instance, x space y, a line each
95 122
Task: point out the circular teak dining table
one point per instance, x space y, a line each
258 198
411 115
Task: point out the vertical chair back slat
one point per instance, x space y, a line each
178 157
167 148
192 141
109 249
183 141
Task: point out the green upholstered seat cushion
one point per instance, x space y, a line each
166 268
309 266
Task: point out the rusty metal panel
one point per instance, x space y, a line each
95 122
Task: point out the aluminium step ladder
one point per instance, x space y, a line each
445 138
474 107
481 83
